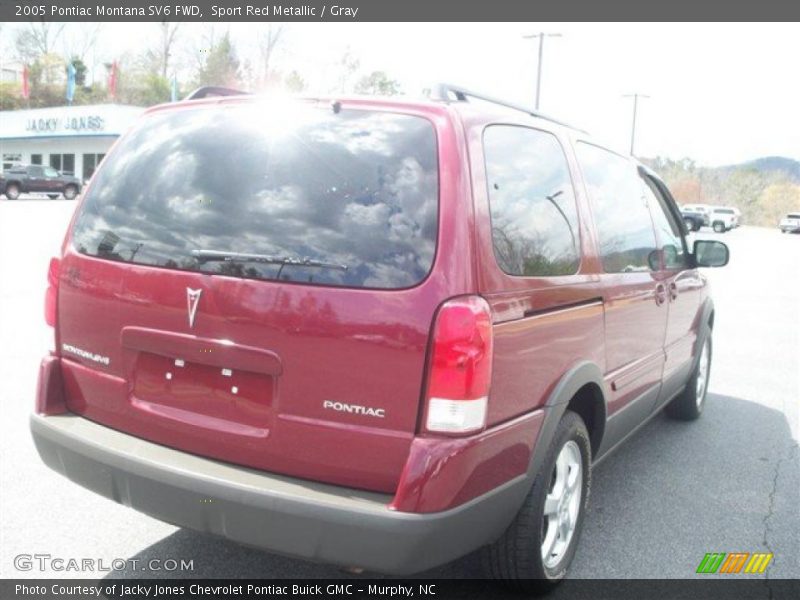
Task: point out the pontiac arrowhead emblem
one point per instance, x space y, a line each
192 300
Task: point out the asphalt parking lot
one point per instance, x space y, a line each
675 491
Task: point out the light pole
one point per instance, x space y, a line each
541 35
635 108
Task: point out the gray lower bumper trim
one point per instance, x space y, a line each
281 514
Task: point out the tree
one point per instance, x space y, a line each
777 200
143 89
166 42
347 67
377 83
268 41
11 96
295 83
80 71
37 40
79 39
220 66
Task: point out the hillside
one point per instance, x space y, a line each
764 189
769 165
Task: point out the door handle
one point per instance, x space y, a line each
673 291
661 294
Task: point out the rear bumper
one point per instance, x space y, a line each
280 514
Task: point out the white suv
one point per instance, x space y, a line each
790 223
722 219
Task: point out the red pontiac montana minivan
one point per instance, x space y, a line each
372 332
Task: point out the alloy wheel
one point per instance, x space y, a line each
562 504
702 375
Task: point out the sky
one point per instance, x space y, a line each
718 93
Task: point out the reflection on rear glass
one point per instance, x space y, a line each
357 188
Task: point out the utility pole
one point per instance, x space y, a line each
635 108
541 35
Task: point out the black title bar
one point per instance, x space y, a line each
228 11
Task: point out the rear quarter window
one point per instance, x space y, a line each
356 190
535 230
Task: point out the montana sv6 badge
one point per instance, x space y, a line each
103 360
354 409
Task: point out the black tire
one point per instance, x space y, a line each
687 406
719 227
70 192
52 196
516 558
689 224
12 191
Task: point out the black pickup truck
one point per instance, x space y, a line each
24 179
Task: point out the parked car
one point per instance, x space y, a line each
703 209
25 179
790 223
738 215
722 219
693 220
396 344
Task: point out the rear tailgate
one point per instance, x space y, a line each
294 368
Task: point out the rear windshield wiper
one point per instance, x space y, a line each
204 256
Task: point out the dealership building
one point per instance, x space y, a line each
73 139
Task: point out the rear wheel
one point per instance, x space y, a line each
719 227
689 224
70 192
536 550
688 406
12 191
52 196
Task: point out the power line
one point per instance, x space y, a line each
635 109
541 35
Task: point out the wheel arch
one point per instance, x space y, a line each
581 389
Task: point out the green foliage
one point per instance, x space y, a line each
377 83
142 88
295 83
221 66
11 96
80 71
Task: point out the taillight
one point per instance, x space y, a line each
52 292
460 371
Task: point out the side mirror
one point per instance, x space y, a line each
710 253
654 261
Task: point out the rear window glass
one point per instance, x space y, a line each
300 194
793 216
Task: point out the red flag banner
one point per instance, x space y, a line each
26 90
112 80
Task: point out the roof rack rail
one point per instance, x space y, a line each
209 91
447 92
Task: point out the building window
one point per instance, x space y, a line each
63 162
11 159
90 164
36 159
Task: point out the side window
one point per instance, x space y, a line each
50 172
534 218
670 240
35 172
624 226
